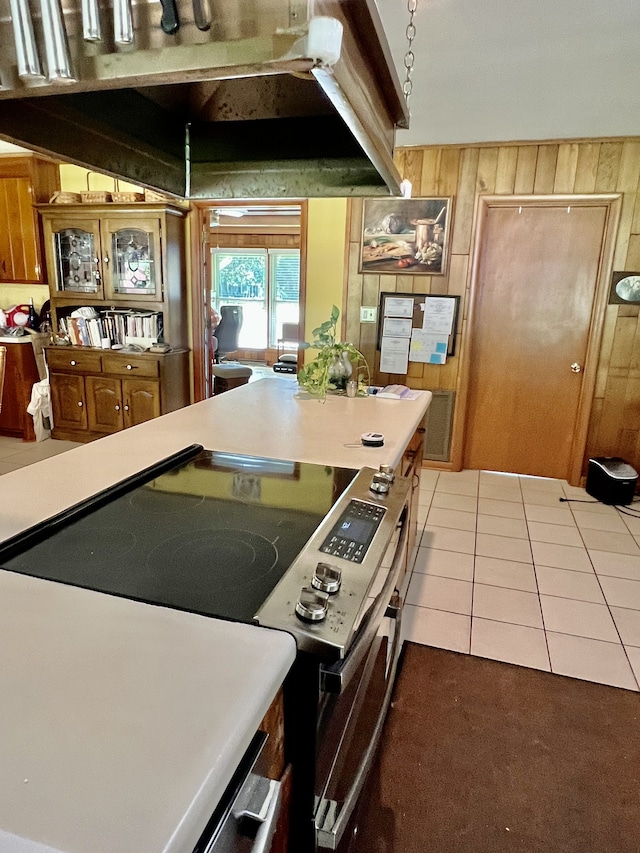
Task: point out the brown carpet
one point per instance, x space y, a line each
479 756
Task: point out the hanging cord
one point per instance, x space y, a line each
409 57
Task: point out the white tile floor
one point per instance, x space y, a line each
504 570
16 453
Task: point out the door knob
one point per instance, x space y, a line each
577 368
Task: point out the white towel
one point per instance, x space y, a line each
40 408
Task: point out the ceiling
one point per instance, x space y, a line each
499 70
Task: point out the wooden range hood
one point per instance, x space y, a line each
237 111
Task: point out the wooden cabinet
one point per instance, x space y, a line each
120 256
124 264
21 373
412 467
24 181
94 394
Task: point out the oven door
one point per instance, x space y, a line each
354 699
246 818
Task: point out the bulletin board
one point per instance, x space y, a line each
416 327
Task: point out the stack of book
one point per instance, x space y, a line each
113 326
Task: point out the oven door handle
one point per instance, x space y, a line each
336 677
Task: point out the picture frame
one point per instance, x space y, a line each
625 288
407 236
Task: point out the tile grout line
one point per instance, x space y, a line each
608 606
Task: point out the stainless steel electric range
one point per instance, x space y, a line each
317 551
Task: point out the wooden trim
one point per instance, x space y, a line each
515 142
199 279
199 265
613 201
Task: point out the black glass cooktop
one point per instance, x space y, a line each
202 531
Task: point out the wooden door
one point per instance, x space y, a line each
142 400
72 246
104 404
537 273
134 267
68 401
19 235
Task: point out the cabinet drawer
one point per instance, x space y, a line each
73 360
131 365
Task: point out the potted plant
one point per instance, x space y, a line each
336 362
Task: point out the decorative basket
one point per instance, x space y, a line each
127 198
65 198
153 195
94 196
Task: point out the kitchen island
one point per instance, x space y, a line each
269 417
124 721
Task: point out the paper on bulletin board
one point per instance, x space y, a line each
396 327
438 315
394 355
428 347
398 306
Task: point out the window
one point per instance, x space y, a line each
265 283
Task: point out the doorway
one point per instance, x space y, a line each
541 266
252 255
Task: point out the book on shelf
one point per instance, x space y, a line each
118 326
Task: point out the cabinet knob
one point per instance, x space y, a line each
126 408
73 363
80 403
131 367
117 408
105 260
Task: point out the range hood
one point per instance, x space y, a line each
228 105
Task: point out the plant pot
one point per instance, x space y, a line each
340 371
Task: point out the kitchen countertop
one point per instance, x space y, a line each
194 689
269 417
122 722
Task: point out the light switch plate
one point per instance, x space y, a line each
368 315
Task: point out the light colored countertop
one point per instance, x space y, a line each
123 722
269 417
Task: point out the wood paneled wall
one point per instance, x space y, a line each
595 166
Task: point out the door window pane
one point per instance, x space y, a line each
132 253
240 278
285 291
265 283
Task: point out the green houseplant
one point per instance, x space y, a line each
335 363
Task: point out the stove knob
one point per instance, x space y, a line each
380 483
387 471
382 480
312 605
327 578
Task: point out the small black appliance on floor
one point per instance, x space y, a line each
611 480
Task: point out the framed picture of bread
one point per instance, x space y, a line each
405 235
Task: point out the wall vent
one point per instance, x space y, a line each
437 424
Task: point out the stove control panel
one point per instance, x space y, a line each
328 588
353 532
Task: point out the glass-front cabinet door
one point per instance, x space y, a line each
132 267
77 254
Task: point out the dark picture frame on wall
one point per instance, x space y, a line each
405 235
625 288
